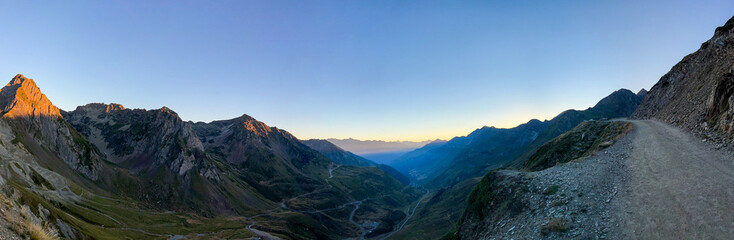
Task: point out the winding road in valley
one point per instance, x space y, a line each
268 236
351 219
679 186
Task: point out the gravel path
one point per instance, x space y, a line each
679 187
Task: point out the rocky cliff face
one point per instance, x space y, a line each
141 140
39 124
698 92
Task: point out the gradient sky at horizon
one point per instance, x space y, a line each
384 70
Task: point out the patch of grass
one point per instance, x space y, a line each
481 196
452 234
554 225
551 190
39 180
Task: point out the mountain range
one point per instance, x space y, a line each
91 172
383 152
487 148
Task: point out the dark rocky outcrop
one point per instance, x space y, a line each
140 140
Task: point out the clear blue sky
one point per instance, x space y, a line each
390 70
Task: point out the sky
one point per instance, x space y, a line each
379 70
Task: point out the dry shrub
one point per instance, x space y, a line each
38 232
554 225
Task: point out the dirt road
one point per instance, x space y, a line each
678 187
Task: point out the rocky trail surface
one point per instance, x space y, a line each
679 186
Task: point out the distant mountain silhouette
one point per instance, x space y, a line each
376 146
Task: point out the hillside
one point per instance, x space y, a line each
418 157
583 140
492 149
438 212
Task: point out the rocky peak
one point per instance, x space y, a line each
22 98
167 110
254 126
101 107
620 103
642 93
728 26
533 122
36 118
114 107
